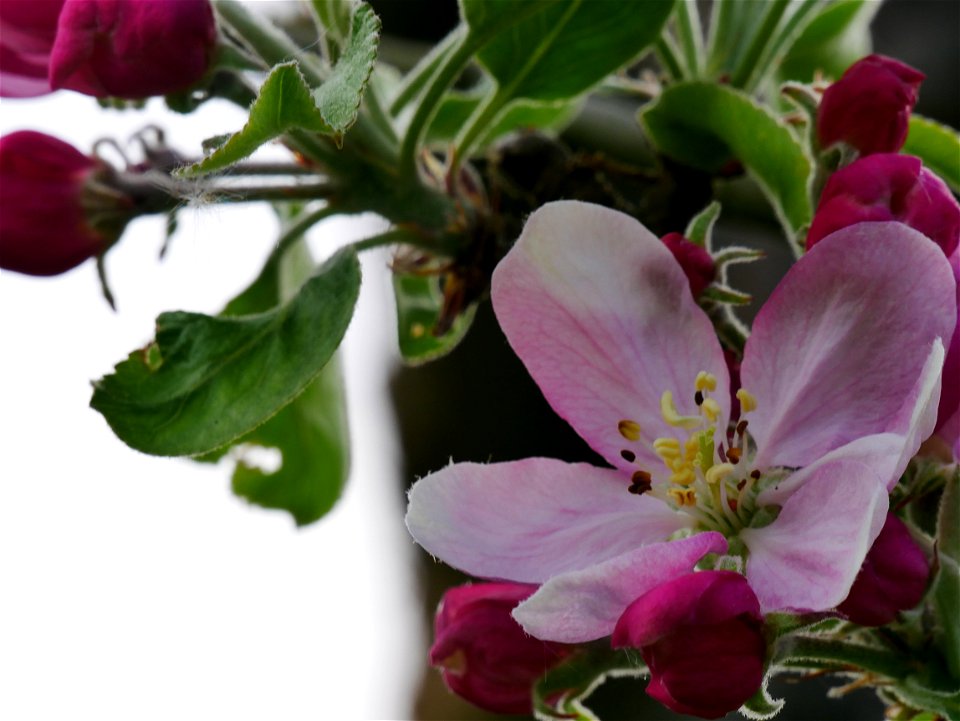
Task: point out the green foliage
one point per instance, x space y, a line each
762 705
567 47
561 692
946 589
333 18
705 126
938 146
837 36
205 382
419 303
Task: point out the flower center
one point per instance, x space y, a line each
715 483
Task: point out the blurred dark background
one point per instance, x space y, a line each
479 404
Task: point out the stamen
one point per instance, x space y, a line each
683 496
640 482
629 430
711 409
755 474
628 456
747 401
742 427
683 476
719 472
667 448
698 398
734 455
672 416
705 381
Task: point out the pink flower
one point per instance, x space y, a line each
27 32
869 106
888 187
702 638
696 262
484 655
948 415
43 227
893 577
841 379
105 48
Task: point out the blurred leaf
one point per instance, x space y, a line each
837 36
917 693
567 47
705 126
419 304
204 382
946 589
457 107
938 146
334 22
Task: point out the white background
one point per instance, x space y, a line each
138 588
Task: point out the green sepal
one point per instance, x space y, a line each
419 303
725 294
212 380
705 125
561 692
734 254
700 228
938 146
762 705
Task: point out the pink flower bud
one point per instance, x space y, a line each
132 48
888 187
43 227
893 577
484 655
702 638
27 32
695 261
948 412
869 106
105 48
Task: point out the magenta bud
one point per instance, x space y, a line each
696 261
132 48
27 31
888 187
948 412
44 228
893 577
869 106
483 653
702 638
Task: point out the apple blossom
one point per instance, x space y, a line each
840 384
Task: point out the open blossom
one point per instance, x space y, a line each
840 384
105 48
702 638
887 186
948 415
483 654
869 106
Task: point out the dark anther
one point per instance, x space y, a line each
628 456
741 427
698 398
640 483
755 475
741 484
733 455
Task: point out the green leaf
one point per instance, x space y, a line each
284 103
938 146
567 47
834 39
212 380
339 97
704 125
419 304
916 693
333 18
457 107
946 589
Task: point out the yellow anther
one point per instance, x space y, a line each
692 448
667 448
683 496
747 401
718 472
683 476
706 381
629 430
671 416
711 409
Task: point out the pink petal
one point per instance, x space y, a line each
843 339
585 605
532 519
602 316
808 558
